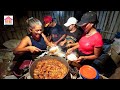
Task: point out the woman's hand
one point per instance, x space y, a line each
33 49
79 59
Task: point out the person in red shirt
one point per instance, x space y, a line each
90 45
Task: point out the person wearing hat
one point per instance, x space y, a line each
73 33
56 34
90 45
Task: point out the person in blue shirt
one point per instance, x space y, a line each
57 34
35 41
31 44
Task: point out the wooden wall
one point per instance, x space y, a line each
109 22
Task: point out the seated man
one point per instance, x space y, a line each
56 33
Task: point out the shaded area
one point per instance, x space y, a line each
107 68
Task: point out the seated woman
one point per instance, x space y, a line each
90 45
32 44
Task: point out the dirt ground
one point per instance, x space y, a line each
4 69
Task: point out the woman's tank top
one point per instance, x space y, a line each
39 44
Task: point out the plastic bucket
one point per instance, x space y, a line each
88 72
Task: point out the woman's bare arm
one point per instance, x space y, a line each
25 46
22 46
97 52
46 40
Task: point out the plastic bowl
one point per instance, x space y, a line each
88 72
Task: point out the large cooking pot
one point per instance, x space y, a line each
33 65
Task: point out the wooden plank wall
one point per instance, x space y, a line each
109 23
